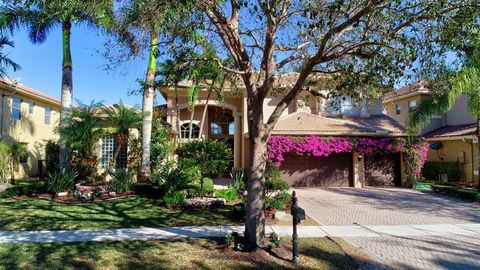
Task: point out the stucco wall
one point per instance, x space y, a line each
459 114
451 151
30 130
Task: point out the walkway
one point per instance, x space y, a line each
354 232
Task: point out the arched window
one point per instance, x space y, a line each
222 124
185 130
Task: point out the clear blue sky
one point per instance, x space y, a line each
42 63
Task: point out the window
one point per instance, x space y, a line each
398 109
48 115
411 105
222 124
185 130
109 146
341 105
31 105
16 108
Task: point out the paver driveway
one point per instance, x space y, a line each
385 206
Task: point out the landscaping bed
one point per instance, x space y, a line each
316 253
460 192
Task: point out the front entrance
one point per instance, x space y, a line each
309 171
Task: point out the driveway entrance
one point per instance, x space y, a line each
395 206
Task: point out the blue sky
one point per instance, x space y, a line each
41 67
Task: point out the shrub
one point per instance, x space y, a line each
229 240
278 201
238 212
60 181
240 179
123 182
197 189
148 190
52 156
433 170
4 161
215 156
175 198
172 177
273 181
24 188
463 193
228 194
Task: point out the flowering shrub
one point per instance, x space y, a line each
415 153
88 192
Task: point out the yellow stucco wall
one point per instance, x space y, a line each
390 107
452 150
31 130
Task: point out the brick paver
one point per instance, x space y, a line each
384 206
424 252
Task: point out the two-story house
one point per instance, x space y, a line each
452 135
28 117
308 115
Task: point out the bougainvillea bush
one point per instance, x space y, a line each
414 152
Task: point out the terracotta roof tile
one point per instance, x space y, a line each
453 131
305 123
29 91
420 86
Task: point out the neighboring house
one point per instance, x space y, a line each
28 117
452 135
307 115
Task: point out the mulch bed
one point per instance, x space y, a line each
72 200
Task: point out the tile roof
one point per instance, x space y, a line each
302 123
28 91
418 87
453 131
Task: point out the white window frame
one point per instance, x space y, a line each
16 107
398 109
47 116
31 107
412 104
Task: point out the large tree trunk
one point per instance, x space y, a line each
147 108
67 89
255 216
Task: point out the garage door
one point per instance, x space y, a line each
382 169
308 171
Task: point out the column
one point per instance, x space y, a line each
237 154
358 170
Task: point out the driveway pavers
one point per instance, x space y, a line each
416 230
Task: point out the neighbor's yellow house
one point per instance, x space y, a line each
28 117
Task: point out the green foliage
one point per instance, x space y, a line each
229 240
228 194
239 178
60 181
24 188
273 181
81 133
5 61
52 156
433 170
160 147
173 178
4 161
198 189
175 198
275 241
214 156
278 201
460 192
123 181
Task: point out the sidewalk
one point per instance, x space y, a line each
220 231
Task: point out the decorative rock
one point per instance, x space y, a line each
282 216
62 194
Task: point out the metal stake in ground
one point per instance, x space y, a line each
298 215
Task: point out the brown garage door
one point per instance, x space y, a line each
308 171
382 169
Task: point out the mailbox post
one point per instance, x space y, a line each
298 215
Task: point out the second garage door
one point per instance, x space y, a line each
309 171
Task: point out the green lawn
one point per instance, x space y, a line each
38 214
316 253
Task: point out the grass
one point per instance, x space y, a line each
316 253
38 214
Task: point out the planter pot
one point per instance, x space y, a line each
62 194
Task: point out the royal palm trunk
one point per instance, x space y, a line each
67 88
147 107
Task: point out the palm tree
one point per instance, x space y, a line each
149 19
40 17
6 62
122 118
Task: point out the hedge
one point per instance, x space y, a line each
433 169
463 193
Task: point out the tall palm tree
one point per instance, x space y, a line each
40 17
122 118
5 61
